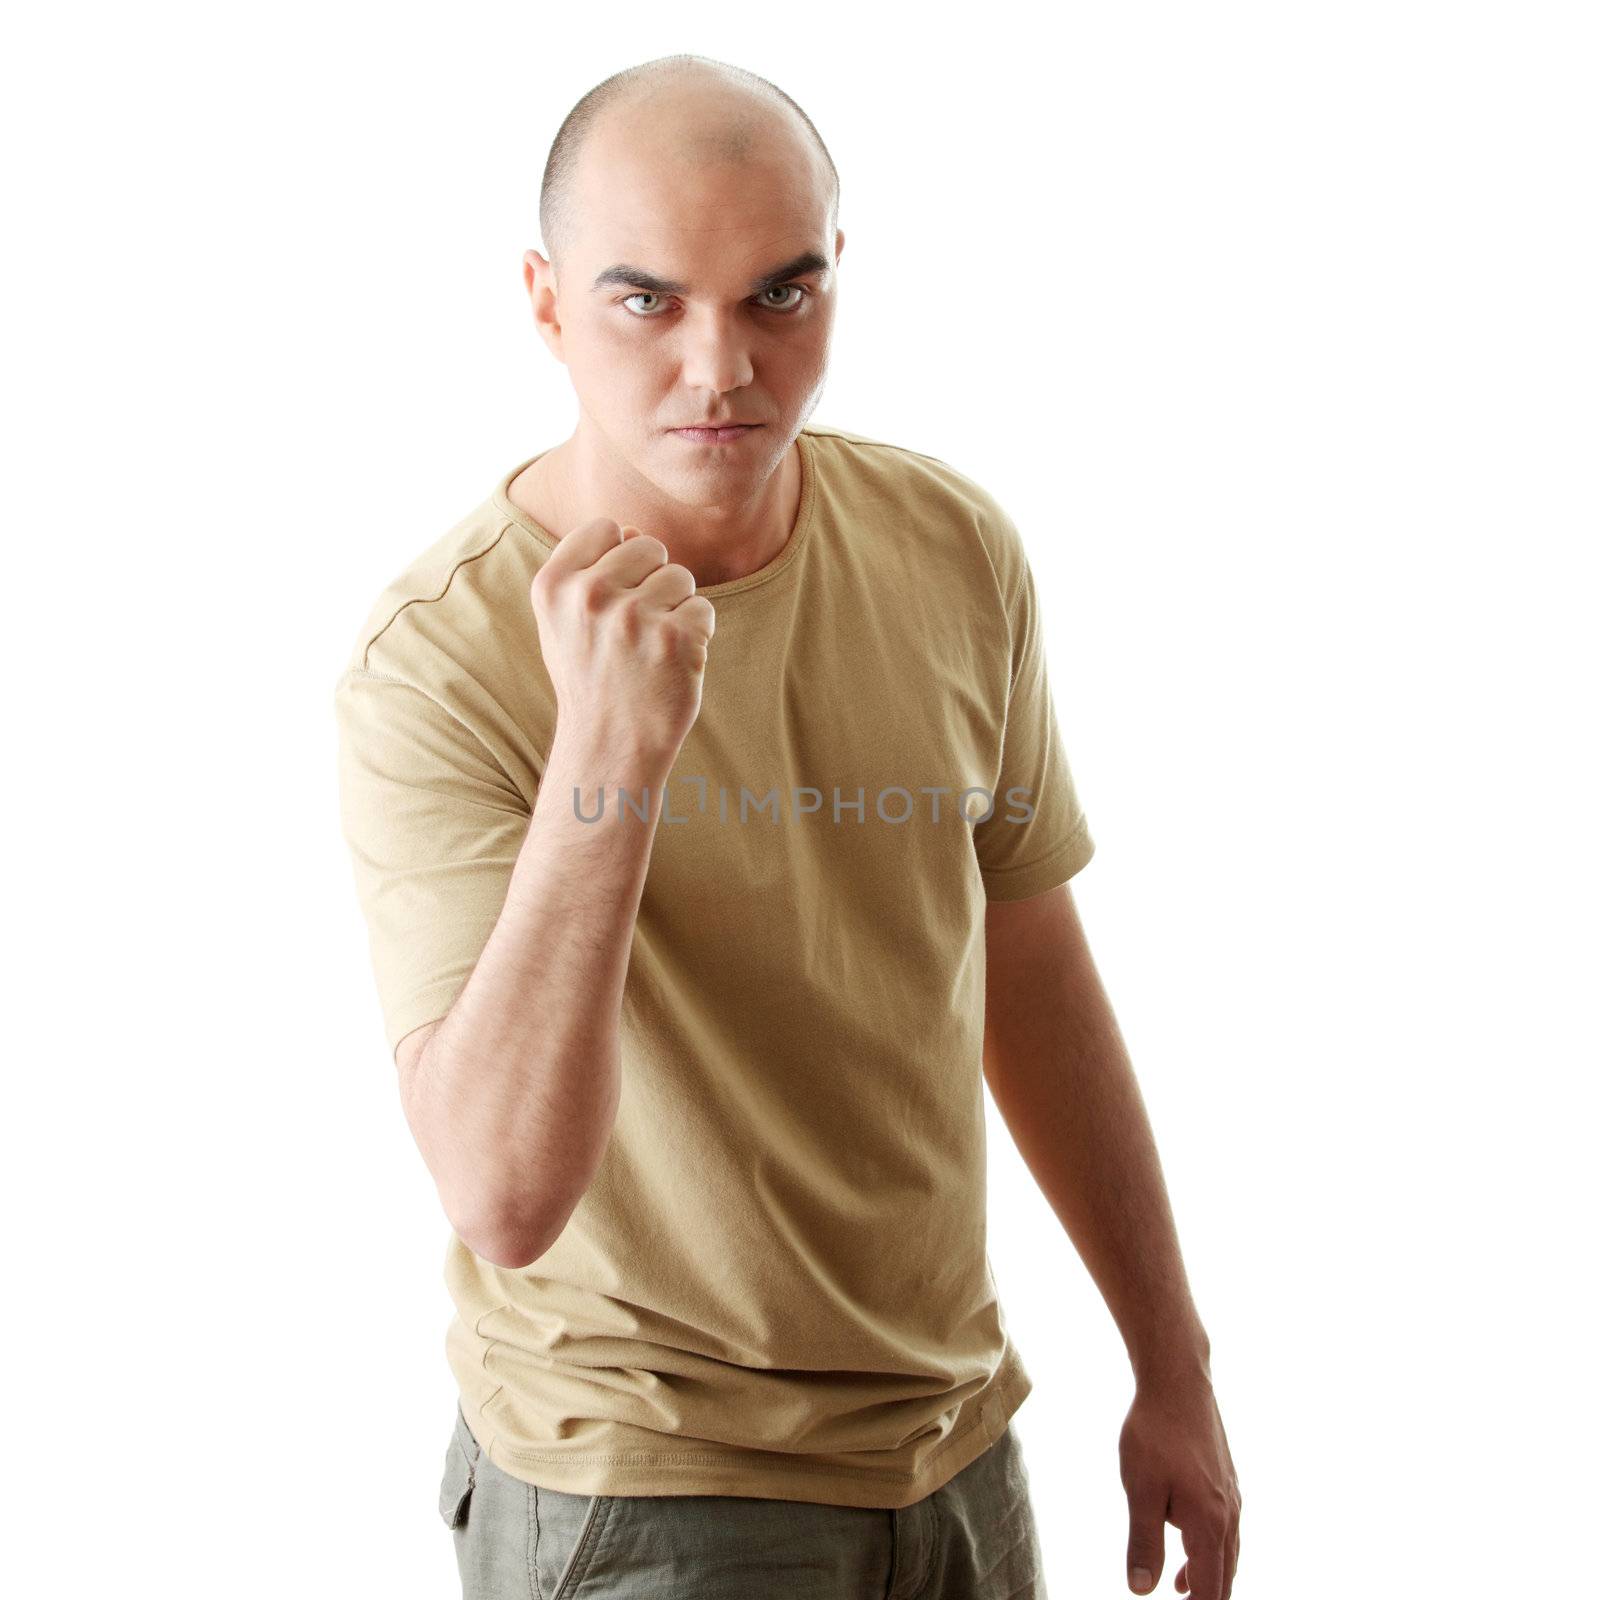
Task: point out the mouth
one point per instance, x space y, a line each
726 435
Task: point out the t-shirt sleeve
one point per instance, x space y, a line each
434 826
1039 837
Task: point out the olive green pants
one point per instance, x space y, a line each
974 1539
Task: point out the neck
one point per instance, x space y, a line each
718 541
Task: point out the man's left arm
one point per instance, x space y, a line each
1059 1071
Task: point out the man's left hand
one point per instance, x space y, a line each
1176 1468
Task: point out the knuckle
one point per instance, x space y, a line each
629 615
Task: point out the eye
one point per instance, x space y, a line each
798 289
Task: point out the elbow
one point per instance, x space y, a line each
513 1227
513 1239
513 1251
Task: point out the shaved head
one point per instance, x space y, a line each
690 215
700 112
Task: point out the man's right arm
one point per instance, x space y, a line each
514 929
512 1095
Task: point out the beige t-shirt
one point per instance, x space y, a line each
778 1282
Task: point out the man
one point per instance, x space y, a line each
713 829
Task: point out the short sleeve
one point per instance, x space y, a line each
434 827
1037 837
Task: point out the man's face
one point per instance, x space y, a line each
662 319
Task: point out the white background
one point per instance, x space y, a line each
1275 328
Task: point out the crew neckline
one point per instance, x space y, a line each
779 563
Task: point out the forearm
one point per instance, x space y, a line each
1060 1074
517 1089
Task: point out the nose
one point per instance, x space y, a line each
716 352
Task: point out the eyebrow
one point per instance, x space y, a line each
807 262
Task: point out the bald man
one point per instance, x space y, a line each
713 830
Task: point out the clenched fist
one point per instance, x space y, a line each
624 637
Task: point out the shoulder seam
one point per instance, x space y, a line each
1000 601
505 524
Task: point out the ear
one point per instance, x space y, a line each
539 278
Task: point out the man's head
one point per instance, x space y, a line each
698 179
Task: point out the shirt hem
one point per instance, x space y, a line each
757 1475
1063 863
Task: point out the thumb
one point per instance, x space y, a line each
1147 1545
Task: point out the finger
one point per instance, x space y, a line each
632 560
584 544
1147 1541
665 586
1203 1546
699 611
1233 1559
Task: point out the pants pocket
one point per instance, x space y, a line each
566 1533
460 1474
